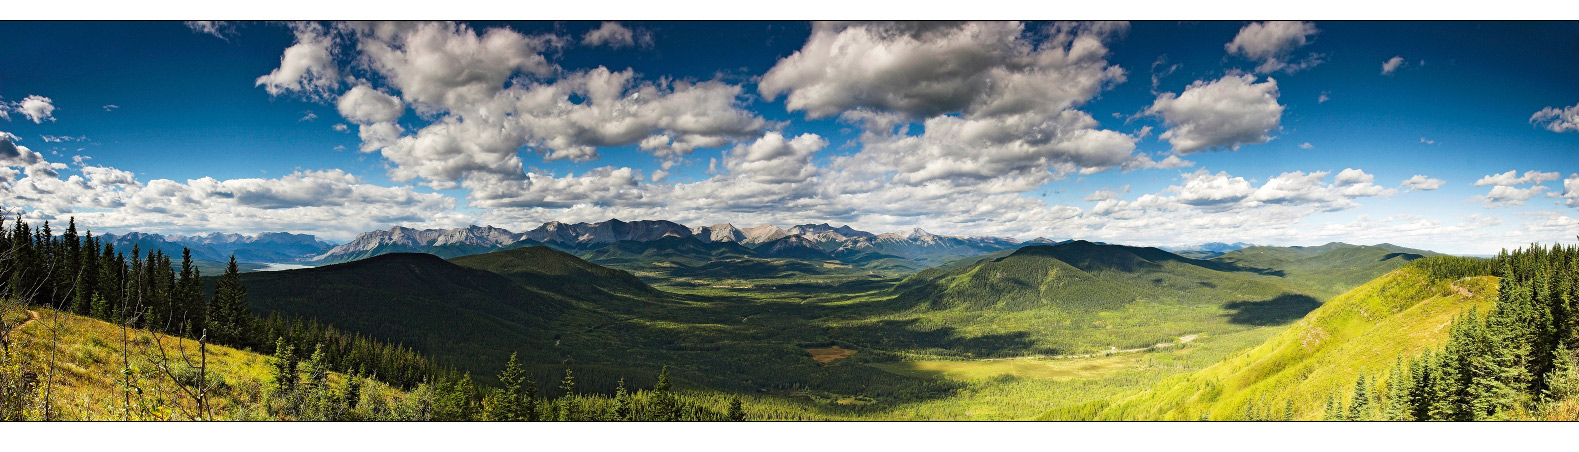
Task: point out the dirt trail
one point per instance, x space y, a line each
31 316
1182 340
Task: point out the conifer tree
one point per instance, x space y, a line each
737 412
568 387
530 394
622 407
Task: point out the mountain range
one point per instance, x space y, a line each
808 241
271 247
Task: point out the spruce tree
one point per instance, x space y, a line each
568 387
737 412
622 403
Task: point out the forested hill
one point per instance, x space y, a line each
1084 276
444 309
553 271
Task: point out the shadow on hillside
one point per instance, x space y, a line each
1277 311
906 334
1406 256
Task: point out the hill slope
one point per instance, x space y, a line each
1328 269
88 376
1363 331
554 271
441 308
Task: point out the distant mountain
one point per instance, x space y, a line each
722 232
1208 250
935 249
666 251
438 242
793 247
609 231
268 247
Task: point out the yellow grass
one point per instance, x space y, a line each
98 374
829 354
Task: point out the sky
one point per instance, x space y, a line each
1457 137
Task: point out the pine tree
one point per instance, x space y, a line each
622 400
508 402
737 412
227 311
568 387
665 405
530 395
1360 404
1562 381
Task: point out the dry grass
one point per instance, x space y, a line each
830 354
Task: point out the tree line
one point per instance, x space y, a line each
87 276
1515 362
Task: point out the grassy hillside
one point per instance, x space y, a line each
1363 331
1081 297
1326 270
88 385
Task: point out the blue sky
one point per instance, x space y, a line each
1160 133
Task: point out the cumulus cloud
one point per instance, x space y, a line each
1570 194
1221 114
307 67
1557 120
1307 146
1323 98
1392 65
1422 183
1272 42
993 68
332 203
365 105
1423 140
36 108
615 36
111 107
1513 178
1505 196
486 95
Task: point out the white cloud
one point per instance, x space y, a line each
36 108
1505 196
217 28
331 203
1272 42
1423 140
995 69
307 67
1557 120
615 36
308 116
1571 190
1323 98
1307 146
341 127
1392 65
111 107
1422 183
1513 178
365 105
1222 114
